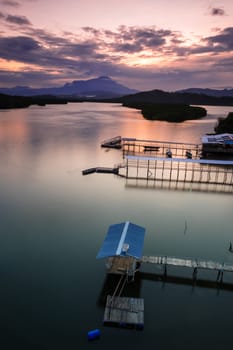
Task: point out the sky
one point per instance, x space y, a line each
142 44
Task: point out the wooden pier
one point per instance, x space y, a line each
169 161
178 169
195 264
133 146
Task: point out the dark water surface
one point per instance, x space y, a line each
53 221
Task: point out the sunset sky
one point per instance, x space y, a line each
143 44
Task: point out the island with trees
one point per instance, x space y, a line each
225 125
169 112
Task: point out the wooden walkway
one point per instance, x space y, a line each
102 170
133 146
178 169
124 312
191 263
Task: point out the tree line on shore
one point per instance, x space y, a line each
154 105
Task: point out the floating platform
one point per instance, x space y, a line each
124 312
114 142
100 170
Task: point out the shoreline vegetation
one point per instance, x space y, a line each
225 125
175 113
153 105
9 101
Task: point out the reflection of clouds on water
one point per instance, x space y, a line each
201 121
73 171
53 219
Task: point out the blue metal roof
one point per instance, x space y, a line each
124 239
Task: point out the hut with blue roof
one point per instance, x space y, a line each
122 248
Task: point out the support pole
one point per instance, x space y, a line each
194 274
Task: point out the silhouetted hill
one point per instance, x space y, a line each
8 101
159 96
225 125
102 87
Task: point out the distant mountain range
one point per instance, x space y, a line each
209 92
101 87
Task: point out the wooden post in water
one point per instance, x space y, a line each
171 171
127 168
155 169
185 171
148 169
178 168
192 176
194 274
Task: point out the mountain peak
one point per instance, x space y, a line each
104 77
102 86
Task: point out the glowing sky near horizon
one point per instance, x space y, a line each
143 44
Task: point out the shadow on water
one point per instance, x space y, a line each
181 280
133 288
178 186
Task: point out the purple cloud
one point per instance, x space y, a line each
99 52
222 41
10 3
215 11
20 20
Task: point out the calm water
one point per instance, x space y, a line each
53 221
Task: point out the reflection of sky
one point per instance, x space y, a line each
40 140
53 221
83 125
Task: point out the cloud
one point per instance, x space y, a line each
20 20
223 41
20 49
10 3
215 11
133 39
14 3
51 59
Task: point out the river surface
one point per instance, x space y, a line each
53 221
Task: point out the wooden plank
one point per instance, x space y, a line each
184 160
193 263
124 312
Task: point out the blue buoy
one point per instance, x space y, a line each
94 334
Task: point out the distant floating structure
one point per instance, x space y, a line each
173 163
114 142
217 144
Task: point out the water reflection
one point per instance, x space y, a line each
178 186
53 221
